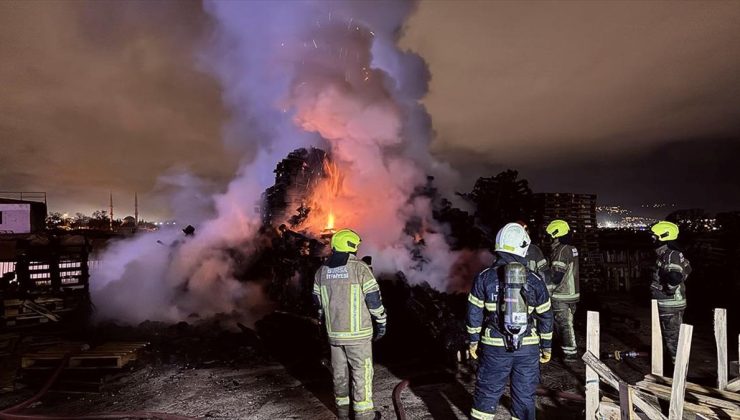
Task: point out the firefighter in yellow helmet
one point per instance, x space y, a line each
564 286
536 261
348 298
669 282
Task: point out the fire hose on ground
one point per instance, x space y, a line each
11 413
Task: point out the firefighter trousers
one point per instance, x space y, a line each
496 366
564 332
353 363
670 325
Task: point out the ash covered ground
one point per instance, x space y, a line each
274 366
210 369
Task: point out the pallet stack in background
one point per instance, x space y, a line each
579 210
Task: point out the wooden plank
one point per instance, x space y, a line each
720 337
609 411
625 401
691 406
639 398
656 349
733 385
698 389
680 370
592 378
664 392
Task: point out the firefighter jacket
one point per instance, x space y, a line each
537 263
349 297
669 277
564 263
484 320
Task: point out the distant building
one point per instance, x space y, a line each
20 216
579 210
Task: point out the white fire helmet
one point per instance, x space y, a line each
513 238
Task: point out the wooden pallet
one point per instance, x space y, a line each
642 400
111 355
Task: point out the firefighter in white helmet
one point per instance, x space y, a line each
509 324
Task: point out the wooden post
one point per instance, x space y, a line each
640 399
680 370
656 350
592 378
625 401
720 336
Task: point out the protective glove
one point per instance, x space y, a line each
545 355
670 290
473 349
320 317
379 331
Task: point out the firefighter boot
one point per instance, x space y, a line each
343 412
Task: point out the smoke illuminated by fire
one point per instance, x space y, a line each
296 75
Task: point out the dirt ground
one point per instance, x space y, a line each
291 383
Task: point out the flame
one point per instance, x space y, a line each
330 221
328 202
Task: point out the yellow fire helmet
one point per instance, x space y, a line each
665 231
345 240
557 228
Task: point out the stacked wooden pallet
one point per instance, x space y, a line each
111 355
643 399
38 310
579 210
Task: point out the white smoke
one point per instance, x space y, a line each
298 74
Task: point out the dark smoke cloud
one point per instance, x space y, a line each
104 96
100 96
550 83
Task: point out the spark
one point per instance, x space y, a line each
314 44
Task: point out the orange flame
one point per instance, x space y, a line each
330 221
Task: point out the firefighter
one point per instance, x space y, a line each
350 306
536 260
564 286
669 282
509 314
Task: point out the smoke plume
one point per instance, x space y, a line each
300 74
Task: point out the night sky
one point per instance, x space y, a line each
635 101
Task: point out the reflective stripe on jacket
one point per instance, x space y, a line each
350 298
670 261
483 322
564 259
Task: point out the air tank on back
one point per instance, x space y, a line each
514 311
